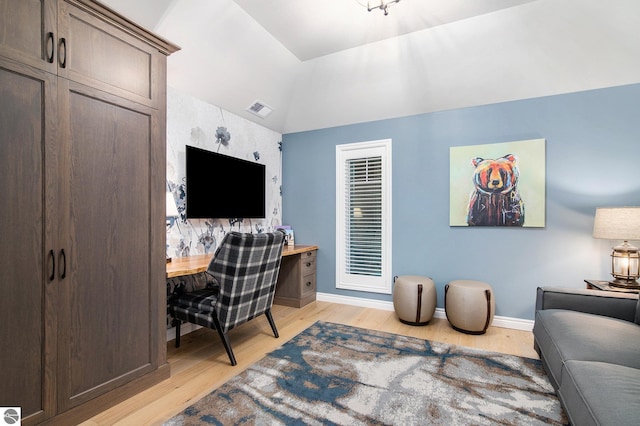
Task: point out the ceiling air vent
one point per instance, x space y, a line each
260 109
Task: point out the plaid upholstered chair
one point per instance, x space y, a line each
245 271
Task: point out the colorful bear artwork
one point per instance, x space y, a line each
495 200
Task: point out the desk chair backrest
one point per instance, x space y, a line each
246 268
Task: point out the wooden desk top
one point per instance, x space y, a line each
199 262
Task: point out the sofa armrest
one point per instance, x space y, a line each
608 303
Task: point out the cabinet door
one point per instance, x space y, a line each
28 276
109 327
98 53
28 32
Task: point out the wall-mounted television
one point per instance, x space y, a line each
223 187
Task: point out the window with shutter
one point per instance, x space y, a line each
363 216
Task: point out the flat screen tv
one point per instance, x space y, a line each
223 187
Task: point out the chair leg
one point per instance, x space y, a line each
178 333
225 340
227 347
272 323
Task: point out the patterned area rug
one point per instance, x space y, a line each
336 374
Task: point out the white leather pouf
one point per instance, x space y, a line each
414 299
469 305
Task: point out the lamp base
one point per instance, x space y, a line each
628 284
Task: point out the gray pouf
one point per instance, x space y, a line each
414 299
469 305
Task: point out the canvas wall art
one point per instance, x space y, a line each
500 184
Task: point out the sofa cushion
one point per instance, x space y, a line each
568 335
597 393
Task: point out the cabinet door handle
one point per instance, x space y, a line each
308 283
53 265
51 45
62 53
308 264
63 274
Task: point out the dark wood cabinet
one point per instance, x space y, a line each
82 151
27 220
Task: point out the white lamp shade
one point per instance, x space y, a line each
617 223
172 210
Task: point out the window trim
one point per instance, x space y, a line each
344 152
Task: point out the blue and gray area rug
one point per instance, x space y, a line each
337 374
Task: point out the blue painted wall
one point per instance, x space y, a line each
592 149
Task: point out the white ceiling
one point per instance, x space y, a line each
310 29
323 63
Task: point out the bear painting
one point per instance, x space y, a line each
495 200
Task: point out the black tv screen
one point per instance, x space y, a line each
223 187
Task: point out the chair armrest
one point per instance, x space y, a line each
608 303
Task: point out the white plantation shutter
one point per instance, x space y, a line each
363 213
363 216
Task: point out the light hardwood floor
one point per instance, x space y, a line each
201 365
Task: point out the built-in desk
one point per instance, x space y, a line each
296 281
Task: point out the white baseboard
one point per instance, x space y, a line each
498 321
185 328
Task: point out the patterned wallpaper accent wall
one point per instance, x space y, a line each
191 121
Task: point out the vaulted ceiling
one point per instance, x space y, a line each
323 63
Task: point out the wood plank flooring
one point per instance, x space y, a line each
201 364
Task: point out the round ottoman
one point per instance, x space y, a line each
414 299
469 305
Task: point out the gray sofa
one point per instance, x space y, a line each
589 343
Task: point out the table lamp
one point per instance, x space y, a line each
621 223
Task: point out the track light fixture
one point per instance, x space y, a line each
383 5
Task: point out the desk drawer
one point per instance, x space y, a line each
308 286
308 264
